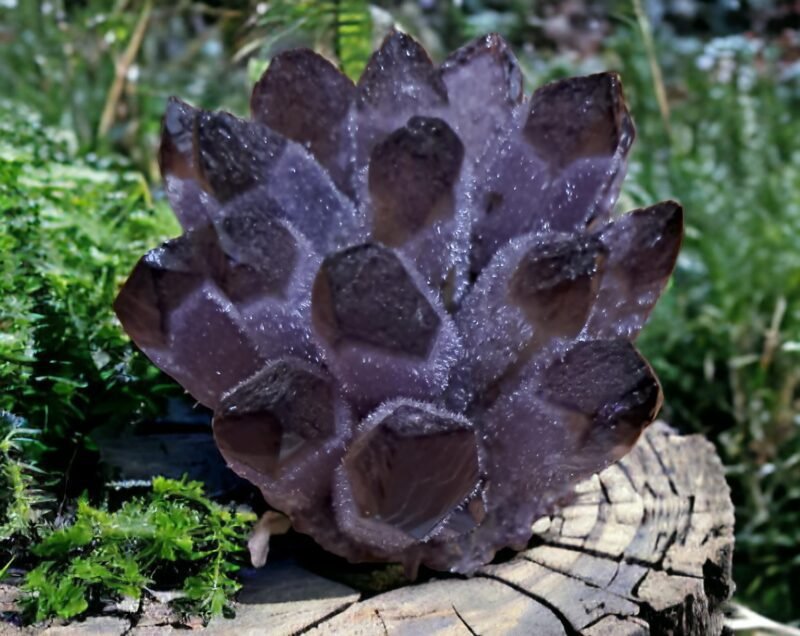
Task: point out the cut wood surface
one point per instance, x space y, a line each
644 548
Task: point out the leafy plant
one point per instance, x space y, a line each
21 499
73 229
103 70
726 337
342 29
174 533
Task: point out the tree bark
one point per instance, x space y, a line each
645 548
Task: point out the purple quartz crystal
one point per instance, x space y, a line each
407 299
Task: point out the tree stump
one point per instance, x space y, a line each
645 548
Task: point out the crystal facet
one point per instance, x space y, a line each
407 473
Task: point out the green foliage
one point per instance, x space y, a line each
72 232
17 288
725 340
104 554
104 70
342 29
353 36
75 230
21 500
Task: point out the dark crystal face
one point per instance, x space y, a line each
270 418
596 133
366 295
233 156
320 96
556 282
400 75
412 457
407 299
411 178
607 385
262 253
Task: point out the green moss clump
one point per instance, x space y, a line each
173 532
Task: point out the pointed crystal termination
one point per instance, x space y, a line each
411 177
407 299
280 426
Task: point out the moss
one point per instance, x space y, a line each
173 533
73 230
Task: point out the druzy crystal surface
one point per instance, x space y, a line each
407 300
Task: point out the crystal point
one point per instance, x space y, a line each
411 178
305 98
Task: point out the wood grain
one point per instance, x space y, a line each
645 548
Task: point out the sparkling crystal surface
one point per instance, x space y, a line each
408 300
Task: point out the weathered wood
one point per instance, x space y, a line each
130 457
645 548
283 599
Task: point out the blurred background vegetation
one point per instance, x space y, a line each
714 87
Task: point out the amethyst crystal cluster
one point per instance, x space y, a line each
406 299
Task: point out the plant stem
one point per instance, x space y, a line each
121 70
655 67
